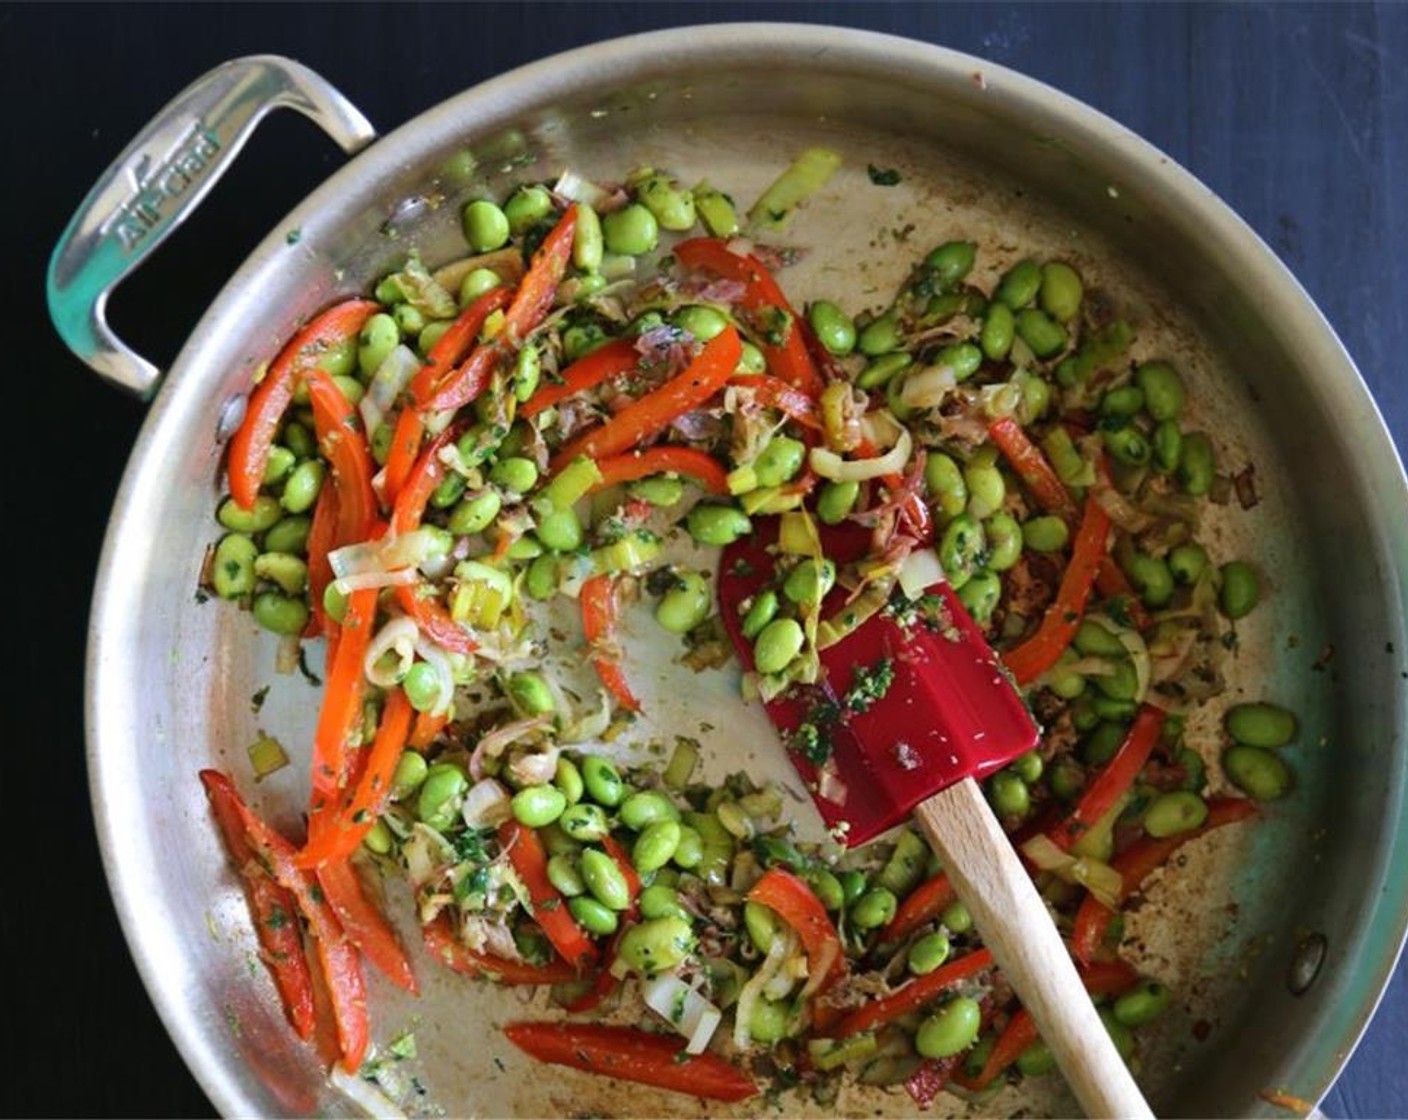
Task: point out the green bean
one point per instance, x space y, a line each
1163 390
280 614
260 516
630 231
232 571
1187 563
530 694
560 531
777 644
657 901
1009 795
951 262
441 794
880 336
537 806
1260 725
832 326
980 595
583 821
1151 578
874 909
999 328
961 549
1257 772
716 524
1004 538
673 208
485 226
951 1029
604 879
657 945
1196 464
836 500
700 321
1061 290
641 810
1128 446
944 480
1020 285
592 916
810 581
411 771
1172 813
928 953
1047 533
1145 1002
1240 589
301 489
883 370
289 572
1122 403
604 784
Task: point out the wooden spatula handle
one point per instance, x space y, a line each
990 880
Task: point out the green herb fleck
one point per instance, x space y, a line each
882 178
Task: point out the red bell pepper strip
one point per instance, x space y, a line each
629 1054
342 971
926 1083
365 926
923 904
795 903
427 726
418 600
698 465
913 995
1032 467
271 909
530 303
652 413
341 443
602 364
526 853
1140 860
425 476
340 719
449 348
598 599
790 359
1107 978
773 392
322 536
442 944
1058 626
1019 1033
373 790
1115 779
254 438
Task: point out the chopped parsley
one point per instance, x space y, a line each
869 685
887 177
470 845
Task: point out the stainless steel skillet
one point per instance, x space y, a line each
984 153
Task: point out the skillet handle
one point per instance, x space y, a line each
159 179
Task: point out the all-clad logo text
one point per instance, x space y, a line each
143 212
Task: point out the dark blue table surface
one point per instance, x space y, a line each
1297 115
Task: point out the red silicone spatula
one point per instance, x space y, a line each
947 716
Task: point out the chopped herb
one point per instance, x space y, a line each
869 685
308 674
257 700
277 919
294 236
403 1046
469 845
886 178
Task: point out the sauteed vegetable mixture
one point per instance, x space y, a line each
420 477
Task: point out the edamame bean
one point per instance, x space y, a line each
630 231
290 534
485 226
288 571
768 1023
883 370
1122 403
951 1029
761 612
541 579
528 205
604 784
673 208
999 328
951 262
537 806
279 613
588 243
1163 390
1036 1060
301 489
441 795
232 570
1260 725
836 500
530 693
809 581
1187 563
559 530
1095 640
1172 813
1120 684
409 319
579 340
659 490
657 945
874 909
641 810
685 605
1145 1002
334 603
379 336
1257 772
592 916
1020 285
1047 533
777 644
604 879
702 322
1028 767
956 918
411 770
658 901
690 850
751 360
478 282
980 595
515 474
827 888
1066 779
448 491
880 336
853 885
1004 541
281 461
568 779
564 875
986 489
961 549
1009 795
422 686
717 525
583 821
1196 464
962 359
1151 578
299 440
1127 445
1167 443
1112 708
928 953
474 514
779 461
1240 589
378 839
1061 290
260 516
944 480
425 342
761 924
833 327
